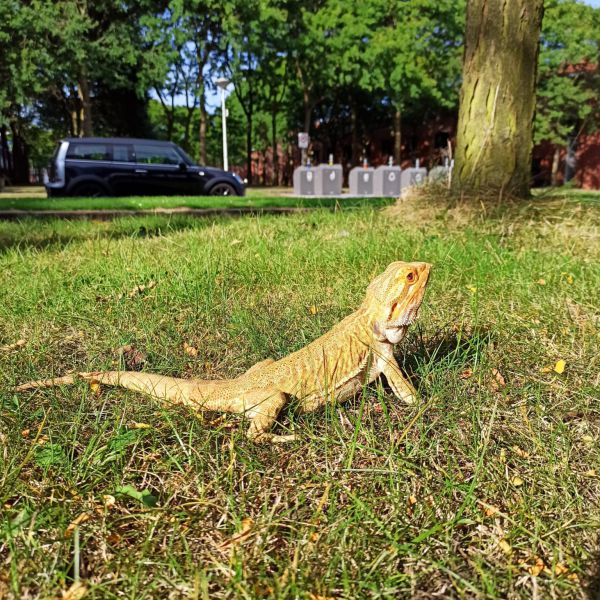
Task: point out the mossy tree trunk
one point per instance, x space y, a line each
497 98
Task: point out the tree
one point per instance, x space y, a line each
569 79
497 97
416 55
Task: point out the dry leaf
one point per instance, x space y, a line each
241 536
591 473
95 386
536 569
466 374
498 381
505 546
517 481
75 592
560 365
25 433
490 511
519 452
140 426
18 344
235 242
109 500
412 500
560 569
472 288
82 518
313 309
541 281
133 358
587 439
190 350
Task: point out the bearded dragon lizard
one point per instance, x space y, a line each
332 368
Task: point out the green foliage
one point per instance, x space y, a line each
568 76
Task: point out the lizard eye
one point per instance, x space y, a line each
411 277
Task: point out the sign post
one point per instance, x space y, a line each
303 143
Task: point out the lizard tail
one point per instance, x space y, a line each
168 389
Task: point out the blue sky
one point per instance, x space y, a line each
594 3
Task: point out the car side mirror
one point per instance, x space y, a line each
182 166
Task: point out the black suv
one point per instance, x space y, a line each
130 167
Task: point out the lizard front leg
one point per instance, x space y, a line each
262 406
401 387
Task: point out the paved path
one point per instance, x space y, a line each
106 215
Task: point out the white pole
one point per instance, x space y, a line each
224 116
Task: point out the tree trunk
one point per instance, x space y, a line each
20 157
202 129
275 152
249 147
497 97
6 162
355 140
86 104
555 165
397 137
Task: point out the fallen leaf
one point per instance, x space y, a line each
519 452
541 281
466 374
537 568
591 473
75 592
18 344
109 500
587 439
313 309
412 500
235 242
490 511
95 387
243 534
378 408
498 380
190 350
25 433
560 569
140 426
133 358
472 288
517 481
82 518
560 365
505 546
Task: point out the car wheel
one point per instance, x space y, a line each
90 190
223 189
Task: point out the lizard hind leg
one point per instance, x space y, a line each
262 406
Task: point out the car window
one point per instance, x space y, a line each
149 154
88 151
121 153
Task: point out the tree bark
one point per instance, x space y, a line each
20 157
355 139
83 89
497 97
202 129
397 136
5 151
555 165
249 147
275 152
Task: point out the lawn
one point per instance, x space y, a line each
487 488
256 198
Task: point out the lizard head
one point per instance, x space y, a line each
394 297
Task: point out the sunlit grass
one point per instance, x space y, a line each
487 488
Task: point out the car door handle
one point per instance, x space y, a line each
142 171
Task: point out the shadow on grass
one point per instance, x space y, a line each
452 347
31 234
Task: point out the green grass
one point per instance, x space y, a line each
147 203
496 468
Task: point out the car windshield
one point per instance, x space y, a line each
186 156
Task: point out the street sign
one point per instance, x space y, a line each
303 140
